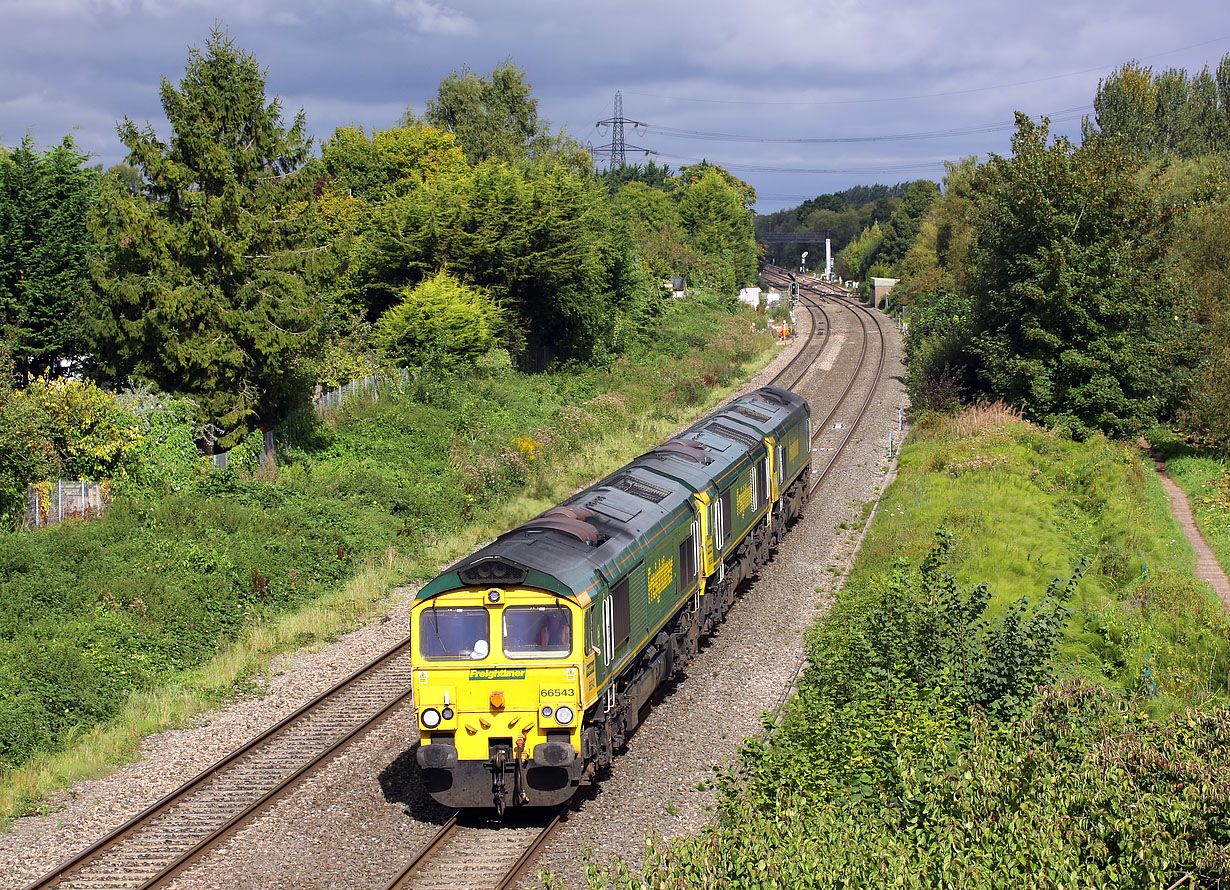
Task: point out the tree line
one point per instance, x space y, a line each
845 215
240 265
1083 282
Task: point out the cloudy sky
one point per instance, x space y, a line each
756 87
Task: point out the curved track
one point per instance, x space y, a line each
179 829
863 378
831 435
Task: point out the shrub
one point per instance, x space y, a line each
440 323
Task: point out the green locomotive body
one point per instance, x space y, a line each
536 656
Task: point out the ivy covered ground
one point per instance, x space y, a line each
1019 685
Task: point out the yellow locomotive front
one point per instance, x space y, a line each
497 687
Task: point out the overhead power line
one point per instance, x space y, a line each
765 168
999 86
1059 116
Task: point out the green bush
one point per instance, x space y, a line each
1082 791
441 323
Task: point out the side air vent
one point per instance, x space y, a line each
727 432
639 487
492 570
748 412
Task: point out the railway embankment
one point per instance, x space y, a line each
1020 682
186 590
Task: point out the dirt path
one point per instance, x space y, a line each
1207 568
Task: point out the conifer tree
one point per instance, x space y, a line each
44 200
200 283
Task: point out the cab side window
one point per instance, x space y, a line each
687 561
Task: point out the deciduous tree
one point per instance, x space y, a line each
493 116
712 212
391 162
1075 317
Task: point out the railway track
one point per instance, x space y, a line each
828 436
478 855
176 831
181 828
790 376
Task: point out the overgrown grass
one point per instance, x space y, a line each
1035 695
112 629
1026 506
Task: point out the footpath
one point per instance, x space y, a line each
1207 568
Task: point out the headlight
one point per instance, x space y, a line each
447 713
563 715
431 718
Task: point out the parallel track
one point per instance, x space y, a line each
821 430
162 840
789 376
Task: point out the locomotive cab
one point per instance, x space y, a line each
497 686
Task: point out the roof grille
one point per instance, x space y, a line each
733 434
492 570
748 412
640 488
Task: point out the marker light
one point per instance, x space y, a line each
563 715
447 713
431 718
546 712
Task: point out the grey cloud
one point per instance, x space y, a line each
850 67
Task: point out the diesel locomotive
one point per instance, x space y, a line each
537 655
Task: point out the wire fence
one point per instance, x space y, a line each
50 503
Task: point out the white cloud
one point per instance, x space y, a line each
432 18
